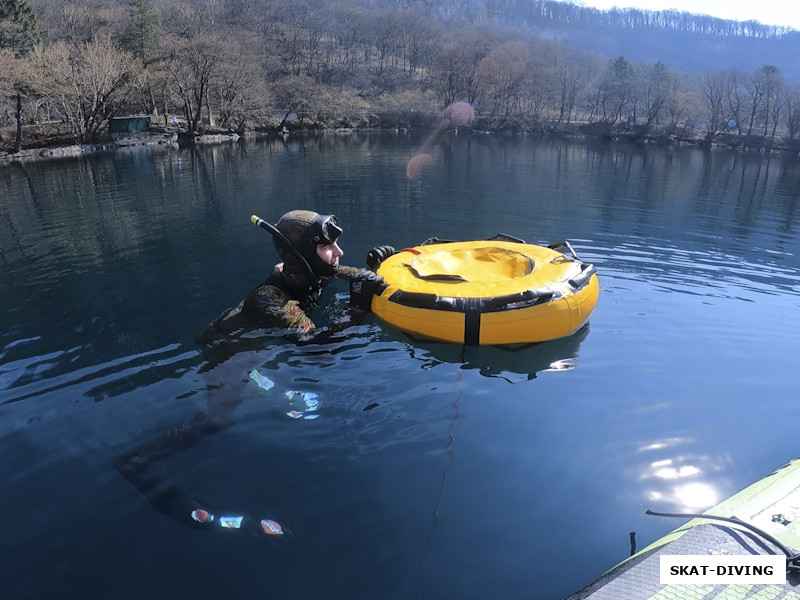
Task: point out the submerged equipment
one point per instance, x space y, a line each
496 291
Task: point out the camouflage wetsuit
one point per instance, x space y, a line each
278 303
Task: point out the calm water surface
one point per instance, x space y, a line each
432 471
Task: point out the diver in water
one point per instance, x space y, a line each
307 244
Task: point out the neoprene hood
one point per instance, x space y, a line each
306 230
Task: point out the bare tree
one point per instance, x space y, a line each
341 107
238 91
714 92
657 87
415 33
453 67
82 20
317 58
499 79
570 79
754 88
779 104
680 104
541 86
792 114
616 92
10 74
294 95
85 80
194 64
343 53
734 99
295 38
769 79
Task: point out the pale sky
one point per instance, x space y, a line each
768 12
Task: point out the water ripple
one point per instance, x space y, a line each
31 377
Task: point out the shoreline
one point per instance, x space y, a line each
56 146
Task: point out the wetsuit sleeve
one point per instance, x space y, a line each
345 272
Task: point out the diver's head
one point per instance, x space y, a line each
314 236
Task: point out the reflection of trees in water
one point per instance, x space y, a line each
111 202
724 192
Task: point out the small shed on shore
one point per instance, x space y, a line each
130 124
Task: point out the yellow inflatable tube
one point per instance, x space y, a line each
487 292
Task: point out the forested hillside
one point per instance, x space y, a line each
684 42
525 65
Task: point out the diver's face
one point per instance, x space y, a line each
330 254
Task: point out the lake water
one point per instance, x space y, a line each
430 471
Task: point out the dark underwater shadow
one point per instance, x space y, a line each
517 363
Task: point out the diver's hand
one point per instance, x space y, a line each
363 286
377 255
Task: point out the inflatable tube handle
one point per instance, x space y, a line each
504 237
562 245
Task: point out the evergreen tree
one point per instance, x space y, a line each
19 33
19 29
143 29
617 89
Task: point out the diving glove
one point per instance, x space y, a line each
377 255
363 286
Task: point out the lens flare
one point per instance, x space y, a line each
416 164
458 114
